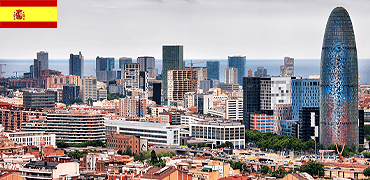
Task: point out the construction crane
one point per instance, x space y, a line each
191 73
1 70
16 73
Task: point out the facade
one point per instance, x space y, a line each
123 60
251 98
250 73
219 132
262 122
202 73
60 81
288 128
102 94
70 127
238 62
146 62
339 82
288 68
228 87
124 142
173 59
231 76
213 70
104 69
89 89
234 109
33 138
130 76
36 68
155 133
76 65
132 107
39 100
70 92
309 118
44 57
265 93
50 170
204 102
281 90
143 81
157 93
282 112
261 72
179 82
13 117
305 93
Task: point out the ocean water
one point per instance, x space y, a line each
302 67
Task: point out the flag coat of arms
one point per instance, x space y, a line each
28 13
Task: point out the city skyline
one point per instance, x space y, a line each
206 29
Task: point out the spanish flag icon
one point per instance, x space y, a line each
28 13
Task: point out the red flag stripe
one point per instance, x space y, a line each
29 3
28 24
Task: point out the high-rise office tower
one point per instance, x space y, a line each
239 63
261 72
288 68
157 93
251 98
130 76
143 81
124 60
76 65
213 70
71 92
146 62
231 76
305 93
44 57
202 73
173 59
104 69
36 68
89 89
339 82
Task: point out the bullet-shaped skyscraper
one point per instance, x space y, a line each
339 82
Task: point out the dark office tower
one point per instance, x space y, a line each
39 100
146 62
124 60
239 63
157 89
76 65
143 80
71 92
339 82
44 57
213 70
251 98
308 123
31 71
104 69
36 68
173 59
261 72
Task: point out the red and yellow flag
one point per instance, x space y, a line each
28 13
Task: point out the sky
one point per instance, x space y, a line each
208 29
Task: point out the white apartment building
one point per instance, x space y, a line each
89 89
130 76
231 75
32 138
155 133
234 109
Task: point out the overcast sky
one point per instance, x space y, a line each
208 29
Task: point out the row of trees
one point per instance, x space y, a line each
79 154
312 167
94 143
278 142
114 96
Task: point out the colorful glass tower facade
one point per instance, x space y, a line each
339 82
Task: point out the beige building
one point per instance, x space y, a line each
231 75
89 89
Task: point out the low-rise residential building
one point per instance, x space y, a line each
155 133
32 138
50 170
124 143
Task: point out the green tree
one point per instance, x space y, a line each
229 144
313 168
146 154
61 144
366 172
154 158
128 151
265 169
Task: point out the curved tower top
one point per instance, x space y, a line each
339 82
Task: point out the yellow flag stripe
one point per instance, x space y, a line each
32 14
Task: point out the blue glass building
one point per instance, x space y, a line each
104 69
213 70
305 93
239 63
339 82
76 65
